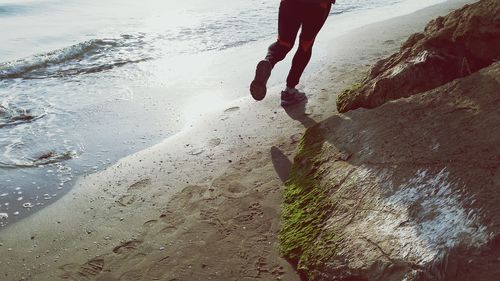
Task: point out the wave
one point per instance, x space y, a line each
40 160
87 57
14 116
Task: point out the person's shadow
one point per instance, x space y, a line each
281 163
298 112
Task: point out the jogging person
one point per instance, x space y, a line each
310 15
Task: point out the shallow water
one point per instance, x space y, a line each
69 70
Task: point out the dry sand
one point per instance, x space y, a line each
204 204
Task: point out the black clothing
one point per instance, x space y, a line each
294 14
316 1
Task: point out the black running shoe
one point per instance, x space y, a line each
258 86
291 97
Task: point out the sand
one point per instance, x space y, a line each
204 204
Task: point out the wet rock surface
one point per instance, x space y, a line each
450 47
405 191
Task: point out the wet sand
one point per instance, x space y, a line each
203 204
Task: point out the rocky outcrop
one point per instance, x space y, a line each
450 47
406 191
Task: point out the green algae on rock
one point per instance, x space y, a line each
371 197
306 208
344 98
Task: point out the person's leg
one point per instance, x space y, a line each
288 27
313 19
289 22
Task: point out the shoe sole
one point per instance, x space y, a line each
292 102
258 87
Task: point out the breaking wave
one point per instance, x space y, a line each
87 57
46 158
15 116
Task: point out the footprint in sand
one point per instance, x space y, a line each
252 218
127 246
149 223
129 198
256 209
230 187
126 200
232 109
234 190
139 184
90 269
215 142
196 151
212 217
278 271
229 111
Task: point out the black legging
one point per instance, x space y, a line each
293 15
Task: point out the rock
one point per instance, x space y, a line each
417 199
450 47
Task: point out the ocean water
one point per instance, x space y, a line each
70 70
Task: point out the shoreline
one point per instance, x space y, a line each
118 205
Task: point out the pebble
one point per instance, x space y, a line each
27 205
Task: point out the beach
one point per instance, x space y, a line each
203 204
97 81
